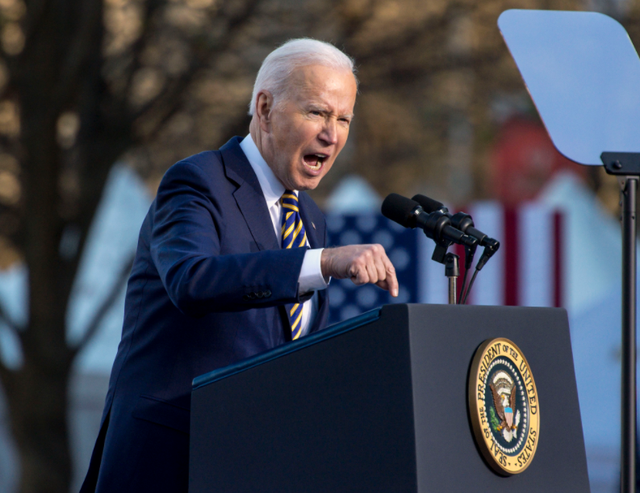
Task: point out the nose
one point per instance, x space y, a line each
329 133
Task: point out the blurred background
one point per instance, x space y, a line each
99 97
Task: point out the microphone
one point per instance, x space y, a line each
464 223
435 225
459 220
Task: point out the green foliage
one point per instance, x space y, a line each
493 419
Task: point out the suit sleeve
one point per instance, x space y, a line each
187 237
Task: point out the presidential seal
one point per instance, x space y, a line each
503 406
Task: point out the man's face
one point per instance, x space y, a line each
309 127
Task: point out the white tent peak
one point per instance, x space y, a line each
353 195
592 242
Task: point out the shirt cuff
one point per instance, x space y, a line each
311 278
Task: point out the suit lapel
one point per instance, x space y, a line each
249 196
250 200
314 229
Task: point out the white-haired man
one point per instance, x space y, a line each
230 263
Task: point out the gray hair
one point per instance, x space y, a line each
277 68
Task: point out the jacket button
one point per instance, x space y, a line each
267 293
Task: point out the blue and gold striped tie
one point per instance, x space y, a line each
293 236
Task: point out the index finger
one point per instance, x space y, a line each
391 281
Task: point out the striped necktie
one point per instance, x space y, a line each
293 236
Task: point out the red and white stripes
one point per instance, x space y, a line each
527 270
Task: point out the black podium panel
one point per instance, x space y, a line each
444 339
379 404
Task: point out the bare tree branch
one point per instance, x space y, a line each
10 144
35 13
80 51
138 46
5 373
405 76
352 23
410 37
5 376
241 19
169 101
106 305
4 317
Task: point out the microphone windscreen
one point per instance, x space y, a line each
400 210
427 204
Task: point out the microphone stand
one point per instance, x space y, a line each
626 165
452 272
451 263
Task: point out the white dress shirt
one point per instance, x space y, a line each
311 278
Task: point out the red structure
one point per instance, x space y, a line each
524 160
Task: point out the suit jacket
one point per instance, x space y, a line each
207 289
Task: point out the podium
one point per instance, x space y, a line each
379 403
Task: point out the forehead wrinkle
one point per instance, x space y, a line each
304 84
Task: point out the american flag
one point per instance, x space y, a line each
527 270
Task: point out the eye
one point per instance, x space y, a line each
315 112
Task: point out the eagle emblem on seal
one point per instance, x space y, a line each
504 416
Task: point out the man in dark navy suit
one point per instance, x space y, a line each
211 280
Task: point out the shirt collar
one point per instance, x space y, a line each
271 186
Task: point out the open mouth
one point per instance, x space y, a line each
314 161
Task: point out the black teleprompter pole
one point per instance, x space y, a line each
627 167
629 235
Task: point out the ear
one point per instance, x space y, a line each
264 105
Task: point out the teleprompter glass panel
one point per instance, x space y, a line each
583 74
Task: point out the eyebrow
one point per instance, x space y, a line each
324 109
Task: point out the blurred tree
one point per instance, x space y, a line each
83 82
